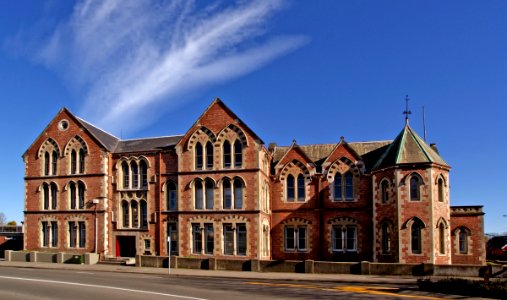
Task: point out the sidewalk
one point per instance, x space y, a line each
345 278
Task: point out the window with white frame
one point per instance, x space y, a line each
463 239
204 192
232 154
296 238
76 152
49 196
45 234
49 155
295 188
344 238
134 174
77 234
134 213
232 193
343 187
203 238
235 239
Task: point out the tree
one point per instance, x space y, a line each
3 218
12 223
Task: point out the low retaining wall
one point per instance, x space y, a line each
48 257
310 266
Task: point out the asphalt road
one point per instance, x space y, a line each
27 283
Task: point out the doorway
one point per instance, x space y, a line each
126 246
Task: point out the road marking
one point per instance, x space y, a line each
372 290
84 273
101 286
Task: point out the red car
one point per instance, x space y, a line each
496 248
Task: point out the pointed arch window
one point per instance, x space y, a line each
227 154
126 175
440 190
463 237
144 214
54 195
416 236
81 194
73 162
441 238
209 155
238 194
338 187
386 238
198 156
73 197
171 195
290 188
144 173
45 196
198 195
238 154
135 175
54 161
227 194
209 186
125 213
415 184
135 214
46 163
301 187
82 156
384 191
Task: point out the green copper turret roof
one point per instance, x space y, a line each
408 148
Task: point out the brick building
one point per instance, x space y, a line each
219 191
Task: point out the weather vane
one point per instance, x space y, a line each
406 112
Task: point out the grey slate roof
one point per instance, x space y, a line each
369 151
147 144
408 148
107 140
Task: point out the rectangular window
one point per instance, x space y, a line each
228 239
196 239
301 238
147 246
210 238
463 242
241 239
45 234
54 234
172 232
82 235
296 238
349 187
172 199
72 235
351 238
289 238
337 238
344 238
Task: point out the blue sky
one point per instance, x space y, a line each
306 70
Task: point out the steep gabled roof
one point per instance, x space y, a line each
408 148
342 143
296 147
147 144
106 139
218 101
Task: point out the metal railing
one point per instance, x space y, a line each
11 229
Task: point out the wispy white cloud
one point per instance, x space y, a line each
131 58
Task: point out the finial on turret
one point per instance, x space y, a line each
406 112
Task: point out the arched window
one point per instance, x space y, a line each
198 194
171 196
301 187
126 176
384 191
238 194
144 214
54 162
54 195
46 163
82 155
238 154
349 186
135 175
227 154
45 195
338 187
125 213
440 190
209 194
463 240
416 236
441 238
135 214
72 191
73 162
198 156
209 155
290 188
386 238
81 194
415 182
227 194
144 174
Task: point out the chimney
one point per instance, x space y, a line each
434 147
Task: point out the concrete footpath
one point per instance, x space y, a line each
343 278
